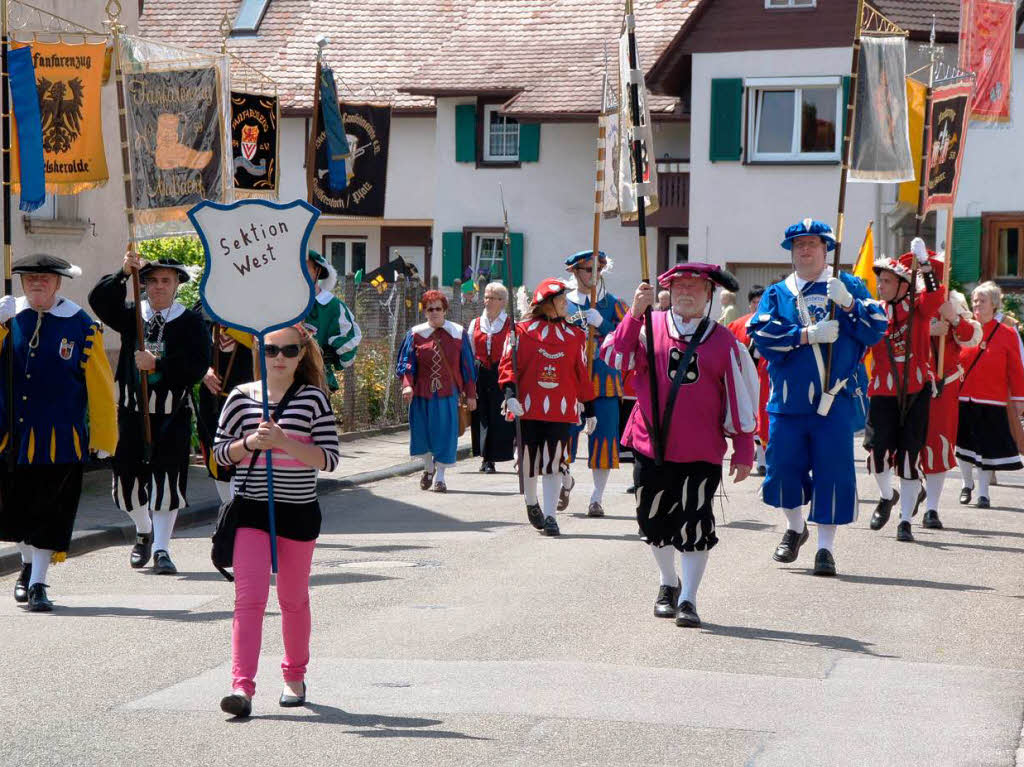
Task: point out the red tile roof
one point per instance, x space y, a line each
916 15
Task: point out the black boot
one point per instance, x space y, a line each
37 599
21 585
535 515
883 510
162 564
824 564
790 546
141 551
686 616
665 604
931 520
903 533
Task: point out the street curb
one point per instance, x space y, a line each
112 535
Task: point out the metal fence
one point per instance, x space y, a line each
370 396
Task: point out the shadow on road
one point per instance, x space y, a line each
746 524
181 616
826 641
945 546
879 580
316 579
984 533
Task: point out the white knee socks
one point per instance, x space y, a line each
984 478
26 553
163 527
40 565
665 556
428 463
223 490
550 484
694 563
794 519
530 490
759 456
600 481
567 479
967 475
933 487
827 537
143 524
909 489
884 480
439 472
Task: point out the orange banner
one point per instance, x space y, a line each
915 113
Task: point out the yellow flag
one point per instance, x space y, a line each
909 190
864 268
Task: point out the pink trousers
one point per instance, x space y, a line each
252 589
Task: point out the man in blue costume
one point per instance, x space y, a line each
603 317
811 425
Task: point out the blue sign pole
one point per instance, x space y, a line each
271 523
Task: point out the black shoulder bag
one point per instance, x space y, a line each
222 552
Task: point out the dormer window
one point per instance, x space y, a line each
250 16
790 3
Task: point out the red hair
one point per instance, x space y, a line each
433 295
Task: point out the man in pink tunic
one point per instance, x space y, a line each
707 392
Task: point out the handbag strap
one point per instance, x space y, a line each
684 364
984 346
277 414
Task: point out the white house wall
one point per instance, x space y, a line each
738 212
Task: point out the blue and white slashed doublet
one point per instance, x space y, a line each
809 456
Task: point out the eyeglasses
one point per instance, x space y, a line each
291 351
435 309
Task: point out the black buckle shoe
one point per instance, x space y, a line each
288 700
965 495
824 564
563 495
237 705
903 533
162 564
921 496
789 548
686 616
983 502
883 510
21 585
38 602
535 515
141 551
665 604
931 520
551 527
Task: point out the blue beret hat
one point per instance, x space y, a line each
809 228
584 255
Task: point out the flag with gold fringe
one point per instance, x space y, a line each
881 140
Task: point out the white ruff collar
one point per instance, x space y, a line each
796 284
62 307
172 312
425 331
583 299
324 297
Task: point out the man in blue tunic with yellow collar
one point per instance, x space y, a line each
603 317
63 406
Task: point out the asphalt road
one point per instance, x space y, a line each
446 631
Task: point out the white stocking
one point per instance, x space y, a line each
794 520
550 483
984 477
26 553
665 556
967 475
567 479
827 537
694 563
933 487
530 490
600 481
143 524
439 474
428 463
163 528
909 489
40 565
884 480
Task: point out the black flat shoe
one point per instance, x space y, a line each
983 502
551 527
789 548
824 564
489 468
686 616
965 495
162 564
141 551
631 489
38 602
288 700
761 471
595 510
665 604
903 533
921 496
931 520
21 585
483 467
426 480
563 495
237 705
883 510
535 515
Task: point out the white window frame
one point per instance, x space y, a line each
47 211
490 109
349 242
757 85
478 240
775 4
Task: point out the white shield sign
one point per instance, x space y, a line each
255 278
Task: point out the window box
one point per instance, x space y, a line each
794 120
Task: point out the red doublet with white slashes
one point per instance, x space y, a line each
488 347
885 380
552 370
998 374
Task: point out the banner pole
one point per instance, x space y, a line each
641 220
946 274
311 144
596 246
113 10
271 521
8 253
513 339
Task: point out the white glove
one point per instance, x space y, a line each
920 250
591 425
513 406
824 332
839 294
594 317
7 309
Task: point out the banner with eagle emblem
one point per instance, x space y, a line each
68 78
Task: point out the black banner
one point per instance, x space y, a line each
947 126
368 129
254 141
176 137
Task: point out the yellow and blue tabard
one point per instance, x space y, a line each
64 403
607 380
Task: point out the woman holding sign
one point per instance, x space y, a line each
436 366
303 440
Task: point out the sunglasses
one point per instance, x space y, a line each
291 351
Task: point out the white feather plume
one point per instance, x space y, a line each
522 302
328 282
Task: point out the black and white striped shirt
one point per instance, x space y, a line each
307 418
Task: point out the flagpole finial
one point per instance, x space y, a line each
113 10
225 31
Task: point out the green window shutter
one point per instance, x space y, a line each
529 142
451 257
516 258
465 133
967 249
846 100
726 119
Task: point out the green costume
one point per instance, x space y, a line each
336 328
